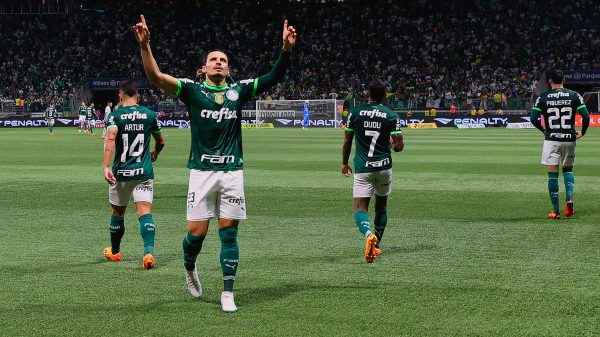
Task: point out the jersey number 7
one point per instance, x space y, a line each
375 135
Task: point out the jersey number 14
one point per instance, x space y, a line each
135 149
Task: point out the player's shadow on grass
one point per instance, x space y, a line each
269 294
408 249
49 269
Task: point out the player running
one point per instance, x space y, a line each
216 160
375 127
128 137
50 115
82 116
558 108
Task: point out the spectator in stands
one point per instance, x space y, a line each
447 50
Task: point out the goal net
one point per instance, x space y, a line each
290 113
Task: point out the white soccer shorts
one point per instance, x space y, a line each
558 153
82 118
216 191
367 184
120 193
51 121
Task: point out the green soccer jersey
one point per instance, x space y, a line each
372 124
82 110
89 113
215 117
51 113
558 108
135 124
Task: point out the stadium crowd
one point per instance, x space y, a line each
429 53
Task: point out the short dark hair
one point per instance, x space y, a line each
556 76
376 91
128 87
219 50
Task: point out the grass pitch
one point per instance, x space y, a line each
467 250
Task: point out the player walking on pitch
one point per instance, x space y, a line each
90 116
82 116
50 115
558 107
216 160
128 137
107 111
375 127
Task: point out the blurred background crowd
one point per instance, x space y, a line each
430 53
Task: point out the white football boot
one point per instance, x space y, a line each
193 283
227 302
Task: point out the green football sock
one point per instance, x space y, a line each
192 245
117 230
569 184
230 255
380 222
362 222
553 190
148 231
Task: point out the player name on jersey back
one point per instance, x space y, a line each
135 125
558 108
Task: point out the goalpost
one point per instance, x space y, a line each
289 113
592 100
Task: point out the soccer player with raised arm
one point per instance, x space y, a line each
216 160
82 116
129 129
375 128
50 115
558 107
305 112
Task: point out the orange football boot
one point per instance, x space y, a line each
148 262
553 215
569 209
110 256
370 248
377 251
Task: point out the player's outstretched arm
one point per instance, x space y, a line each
289 37
346 149
164 81
109 149
278 71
